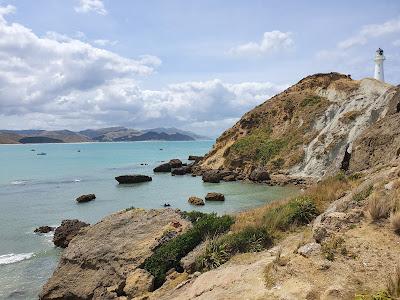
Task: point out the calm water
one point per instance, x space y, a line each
40 190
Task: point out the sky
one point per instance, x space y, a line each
195 65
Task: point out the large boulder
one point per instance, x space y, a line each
127 179
215 197
163 168
86 198
195 200
259 175
67 231
43 229
212 176
103 261
175 163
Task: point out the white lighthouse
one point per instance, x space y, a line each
379 58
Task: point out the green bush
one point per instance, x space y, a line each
168 255
258 145
221 249
363 194
193 216
310 101
299 211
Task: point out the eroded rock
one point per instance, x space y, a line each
85 198
67 231
195 201
104 258
215 197
127 179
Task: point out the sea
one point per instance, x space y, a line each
41 189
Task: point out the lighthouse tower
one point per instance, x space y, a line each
379 58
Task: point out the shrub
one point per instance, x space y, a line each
395 222
378 207
193 216
382 295
299 211
333 246
168 255
221 249
310 101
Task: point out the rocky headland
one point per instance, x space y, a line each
339 139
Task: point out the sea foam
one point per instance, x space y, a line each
13 258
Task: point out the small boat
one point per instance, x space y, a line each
33 150
79 150
167 205
42 153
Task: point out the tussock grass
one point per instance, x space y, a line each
379 207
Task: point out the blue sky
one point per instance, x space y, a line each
197 65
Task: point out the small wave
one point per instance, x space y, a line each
13 258
17 182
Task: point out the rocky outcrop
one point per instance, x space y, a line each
306 131
67 231
86 198
163 168
175 163
259 175
44 229
195 158
127 179
212 176
215 197
195 201
182 170
103 261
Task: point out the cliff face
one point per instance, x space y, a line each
309 130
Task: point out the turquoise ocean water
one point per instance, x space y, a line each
40 190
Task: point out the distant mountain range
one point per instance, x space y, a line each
110 134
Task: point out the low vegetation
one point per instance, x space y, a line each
168 255
395 222
379 207
221 249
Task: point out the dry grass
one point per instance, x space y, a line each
379 207
393 284
254 217
395 222
322 194
328 190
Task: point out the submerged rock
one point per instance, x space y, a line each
103 261
67 231
196 201
44 229
126 179
86 198
215 197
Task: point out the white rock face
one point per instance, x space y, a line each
348 116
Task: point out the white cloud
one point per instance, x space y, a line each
59 82
371 31
104 42
86 6
272 41
396 43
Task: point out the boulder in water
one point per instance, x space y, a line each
195 158
126 179
67 231
166 167
195 200
215 197
175 163
44 229
85 198
259 175
212 176
182 170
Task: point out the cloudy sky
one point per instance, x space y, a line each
196 65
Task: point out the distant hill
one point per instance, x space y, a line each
109 134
